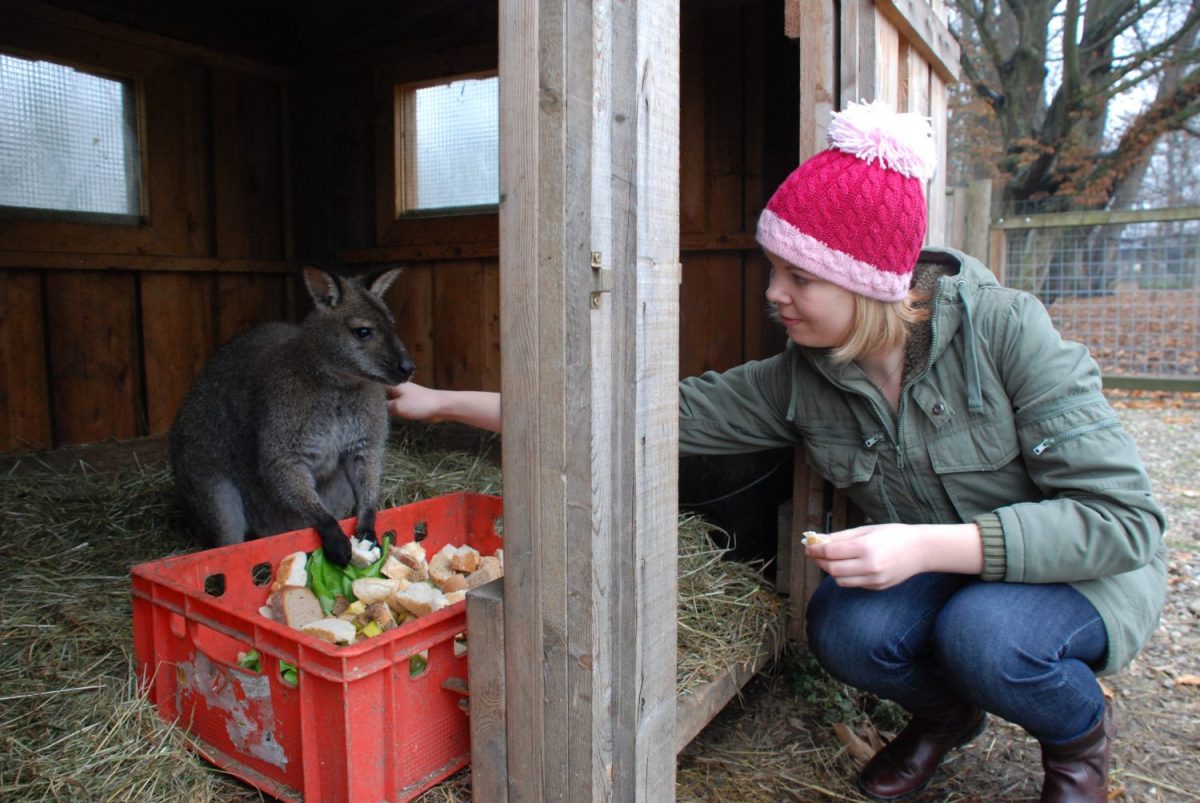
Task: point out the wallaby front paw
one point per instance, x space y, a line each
337 549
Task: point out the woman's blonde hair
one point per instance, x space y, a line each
881 325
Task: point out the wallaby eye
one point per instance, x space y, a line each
361 332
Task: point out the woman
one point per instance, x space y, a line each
1015 551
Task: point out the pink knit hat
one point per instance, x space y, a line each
854 214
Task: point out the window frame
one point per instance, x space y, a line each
136 151
404 111
469 233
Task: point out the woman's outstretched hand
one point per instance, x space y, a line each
415 402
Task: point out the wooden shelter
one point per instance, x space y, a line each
638 143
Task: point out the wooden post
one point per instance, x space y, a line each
979 219
485 679
589 280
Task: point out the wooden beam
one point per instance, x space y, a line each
1098 217
696 709
58 260
924 32
819 96
485 679
858 54
589 278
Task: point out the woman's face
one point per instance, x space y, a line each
815 313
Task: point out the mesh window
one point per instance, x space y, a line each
67 140
451 151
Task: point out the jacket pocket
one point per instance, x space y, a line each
845 462
980 467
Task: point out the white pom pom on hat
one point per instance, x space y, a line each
854 214
873 132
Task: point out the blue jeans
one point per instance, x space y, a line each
1023 652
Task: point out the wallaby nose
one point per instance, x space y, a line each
403 368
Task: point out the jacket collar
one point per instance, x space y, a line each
951 281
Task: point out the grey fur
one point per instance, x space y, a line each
285 427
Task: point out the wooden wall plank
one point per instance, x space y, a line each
94 359
247 123
177 336
820 92
411 300
710 313
937 187
887 61
724 121
857 52
24 389
761 336
754 137
525 521
646 84
490 349
485 678
244 300
692 132
923 24
459 328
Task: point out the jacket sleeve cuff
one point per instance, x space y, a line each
995 560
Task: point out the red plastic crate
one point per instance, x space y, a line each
360 724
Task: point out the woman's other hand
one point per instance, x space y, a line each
880 556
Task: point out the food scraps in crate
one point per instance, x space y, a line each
344 605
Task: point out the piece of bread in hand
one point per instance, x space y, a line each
811 537
333 630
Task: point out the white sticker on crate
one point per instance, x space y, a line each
246 697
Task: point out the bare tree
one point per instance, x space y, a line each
1065 100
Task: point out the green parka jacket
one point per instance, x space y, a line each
1000 422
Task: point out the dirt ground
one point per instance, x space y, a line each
785 720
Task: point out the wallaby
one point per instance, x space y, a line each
285 426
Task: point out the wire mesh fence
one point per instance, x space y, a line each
1128 289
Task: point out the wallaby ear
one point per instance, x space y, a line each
322 286
384 281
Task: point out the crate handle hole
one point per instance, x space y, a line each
498 525
388 534
420 530
418 665
460 645
288 674
260 575
214 585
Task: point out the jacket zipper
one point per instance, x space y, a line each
1072 434
917 492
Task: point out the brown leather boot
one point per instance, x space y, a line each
905 764
1078 772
